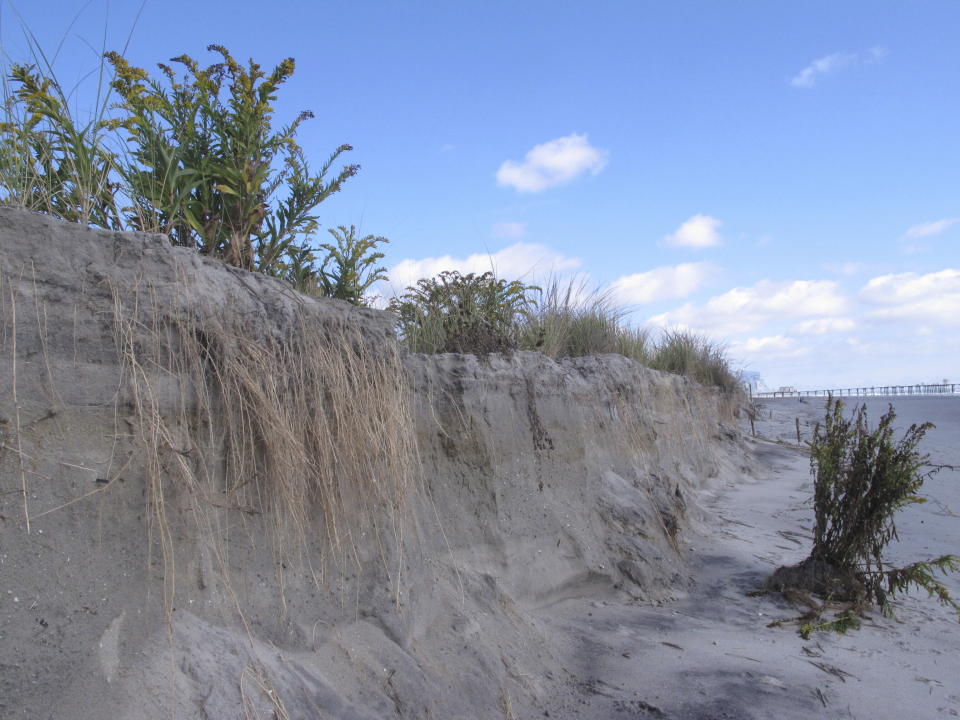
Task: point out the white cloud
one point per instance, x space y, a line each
699 231
768 348
933 298
941 310
904 287
662 283
773 342
929 229
521 260
822 66
509 229
824 326
745 309
828 64
552 163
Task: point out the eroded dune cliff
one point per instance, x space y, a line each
219 498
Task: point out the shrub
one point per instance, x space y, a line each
206 162
463 313
862 478
195 157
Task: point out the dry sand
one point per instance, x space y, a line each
711 655
581 546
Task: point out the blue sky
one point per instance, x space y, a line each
781 176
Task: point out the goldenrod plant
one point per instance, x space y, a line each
208 165
195 155
350 266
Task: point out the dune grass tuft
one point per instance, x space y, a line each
698 357
570 320
309 428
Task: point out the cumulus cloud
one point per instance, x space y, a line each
931 298
929 229
910 286
698 232
745 309
828 64
824 326
509 229
516 261
662 283
552 163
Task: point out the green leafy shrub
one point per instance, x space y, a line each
349 269
195 157
463 313
206 165
479 313
862 478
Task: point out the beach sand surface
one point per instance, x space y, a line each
712 654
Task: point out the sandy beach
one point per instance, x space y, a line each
711 653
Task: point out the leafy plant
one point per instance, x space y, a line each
50 161
207 163
862 478
463 313
845 621
349 269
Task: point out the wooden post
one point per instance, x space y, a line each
798 430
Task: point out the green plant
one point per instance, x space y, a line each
195 157
845 621
862 478
50 160
349 269
463 313
571 321
207 165
696 356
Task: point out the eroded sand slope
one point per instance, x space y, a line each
536 485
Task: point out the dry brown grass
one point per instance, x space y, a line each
308 427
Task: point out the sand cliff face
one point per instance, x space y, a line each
363 534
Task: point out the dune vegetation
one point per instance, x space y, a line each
196 153
862 478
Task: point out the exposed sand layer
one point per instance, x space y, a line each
538 482
579 541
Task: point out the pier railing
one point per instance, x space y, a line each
873 391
